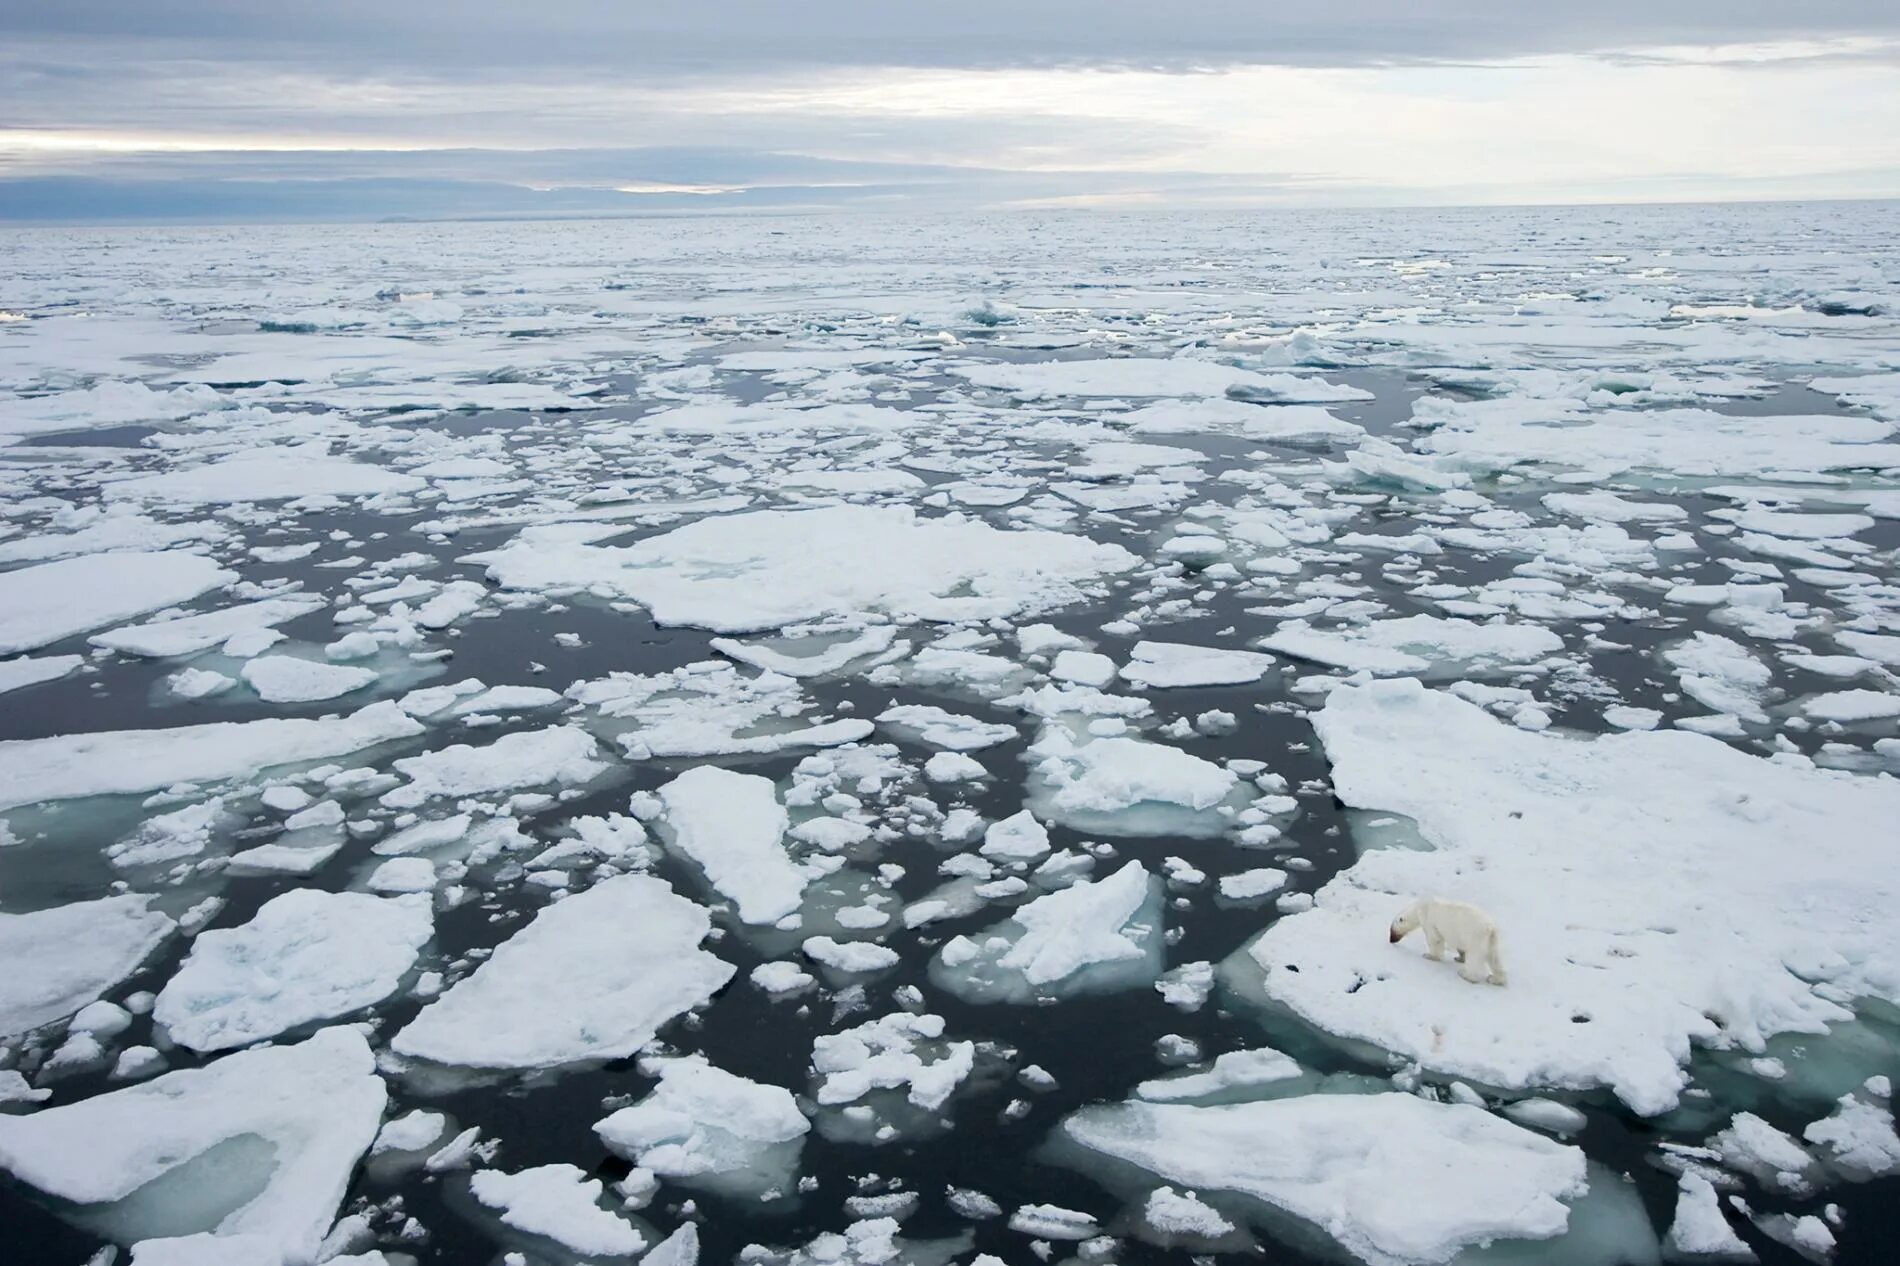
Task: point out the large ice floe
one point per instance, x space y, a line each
305 956
761 570
592 977
1390 1178
121 762
63 958
1655 891
257 1147
50 601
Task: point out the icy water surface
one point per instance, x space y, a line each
962 673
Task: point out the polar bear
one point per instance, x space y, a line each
1468 932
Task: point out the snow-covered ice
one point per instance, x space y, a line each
62 958
732 827
1393 1179
48 602
592 977
1682 915
261 1143
769 568
305 956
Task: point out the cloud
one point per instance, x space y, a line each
463 37
486 107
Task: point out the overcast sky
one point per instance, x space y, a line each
366 108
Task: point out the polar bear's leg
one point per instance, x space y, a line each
1497 976
1434 942
1470 969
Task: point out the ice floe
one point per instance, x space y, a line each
594 976
769 568
1678 915
305 956
259 1145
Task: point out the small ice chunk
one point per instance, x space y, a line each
1699 1230
1247 885
1018 837
781 977
402 874
1170 1213
954 767
1233 1071
898 1051
287 679
1160 665
1052 1222
559 1202
849 956
702 1119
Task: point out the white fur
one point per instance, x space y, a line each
1468 932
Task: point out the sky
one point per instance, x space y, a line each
373 109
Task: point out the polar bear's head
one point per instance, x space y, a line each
1405 924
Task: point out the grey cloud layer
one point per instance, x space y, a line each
663 36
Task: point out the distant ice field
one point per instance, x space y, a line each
894 740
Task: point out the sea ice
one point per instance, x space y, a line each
1416 644
747 572
900 1051
1677 914
50 601
1349 1165
288 679
119 762
593 977
732 827
277 473
529 758
561 1203
305 956
1104 934
1169 664
190 634
702 1121
259 1144
62 958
